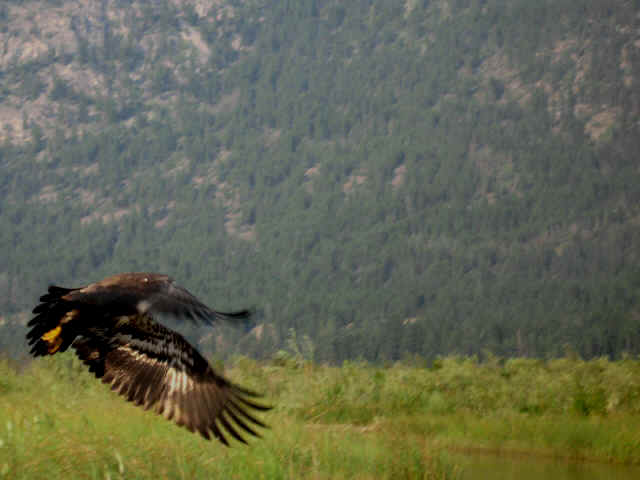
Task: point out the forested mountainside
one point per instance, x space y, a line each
388 178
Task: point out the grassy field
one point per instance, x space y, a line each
353 421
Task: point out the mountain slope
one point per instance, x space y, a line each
427 177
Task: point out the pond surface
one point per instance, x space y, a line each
479 466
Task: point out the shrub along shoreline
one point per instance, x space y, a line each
565 407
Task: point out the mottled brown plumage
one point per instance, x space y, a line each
110 324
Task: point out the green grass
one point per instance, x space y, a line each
353 421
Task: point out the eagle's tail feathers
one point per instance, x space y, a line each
50 330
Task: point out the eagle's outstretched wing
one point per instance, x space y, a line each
149 293
177 301
158 369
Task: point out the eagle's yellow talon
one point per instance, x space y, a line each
51 335
53 339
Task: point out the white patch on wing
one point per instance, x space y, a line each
143 306
139 356
178 381
164 347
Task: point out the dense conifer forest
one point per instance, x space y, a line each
378 178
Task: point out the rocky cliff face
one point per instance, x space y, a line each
61 58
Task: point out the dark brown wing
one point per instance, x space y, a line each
153 293
158 369
177 301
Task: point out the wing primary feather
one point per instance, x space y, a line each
39 309
217 433
125 387
204 431
209 401
115 385
145 380
241 314
229 428
247 415
242 424
196 409
245 391
191 410
132 392
156 388
256 406
168 410
154 396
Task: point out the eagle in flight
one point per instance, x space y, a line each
110 325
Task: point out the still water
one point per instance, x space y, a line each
496 467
